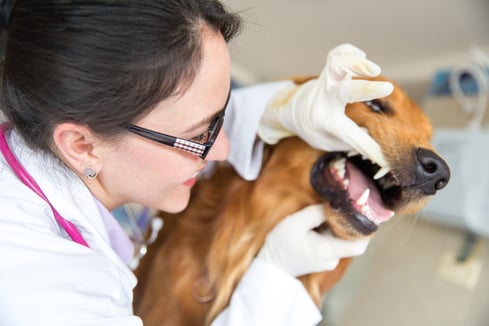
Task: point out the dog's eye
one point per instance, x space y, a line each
376 106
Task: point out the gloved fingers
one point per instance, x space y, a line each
359 90
339 248
342 66
346 49
347 60
308 218
358 139
327 265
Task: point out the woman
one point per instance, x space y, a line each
110 102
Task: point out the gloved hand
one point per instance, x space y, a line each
298 250
315 111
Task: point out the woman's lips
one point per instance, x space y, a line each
190 182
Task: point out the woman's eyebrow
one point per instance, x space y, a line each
197 125
208 120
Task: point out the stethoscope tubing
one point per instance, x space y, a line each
26 179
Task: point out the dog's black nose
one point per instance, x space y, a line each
432 171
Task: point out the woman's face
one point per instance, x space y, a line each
155 175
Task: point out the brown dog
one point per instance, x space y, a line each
191 271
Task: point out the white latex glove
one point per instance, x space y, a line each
315 111
298 250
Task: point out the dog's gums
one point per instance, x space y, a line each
348 185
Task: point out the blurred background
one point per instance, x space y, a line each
432 268
409 39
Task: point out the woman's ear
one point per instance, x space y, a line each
77 146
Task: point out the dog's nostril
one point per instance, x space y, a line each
441 184
430 167
432 171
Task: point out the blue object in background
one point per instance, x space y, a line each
440 84
134 219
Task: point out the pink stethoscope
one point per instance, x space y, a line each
24 176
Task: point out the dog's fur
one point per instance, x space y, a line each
191 271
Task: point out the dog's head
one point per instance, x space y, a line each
360 195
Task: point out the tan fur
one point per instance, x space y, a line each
202 253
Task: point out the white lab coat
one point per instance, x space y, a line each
47 279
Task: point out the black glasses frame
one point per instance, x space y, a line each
186 145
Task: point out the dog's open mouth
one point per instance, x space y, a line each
359 190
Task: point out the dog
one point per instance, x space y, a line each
190 272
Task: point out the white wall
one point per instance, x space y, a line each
409 39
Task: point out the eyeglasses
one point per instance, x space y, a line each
200 148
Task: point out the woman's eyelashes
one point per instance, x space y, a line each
201 138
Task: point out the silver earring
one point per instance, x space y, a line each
90 173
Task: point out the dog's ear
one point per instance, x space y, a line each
299 80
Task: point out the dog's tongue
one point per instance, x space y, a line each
357 186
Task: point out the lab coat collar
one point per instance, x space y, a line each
68 194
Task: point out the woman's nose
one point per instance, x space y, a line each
220 149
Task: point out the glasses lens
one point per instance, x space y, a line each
214 128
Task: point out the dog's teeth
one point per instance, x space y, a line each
340 163
382 172
346 183
387 183
362 200
339 166
383 183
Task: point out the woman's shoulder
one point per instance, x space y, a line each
20 205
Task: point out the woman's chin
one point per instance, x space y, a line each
176 205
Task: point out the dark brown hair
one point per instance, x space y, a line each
100 63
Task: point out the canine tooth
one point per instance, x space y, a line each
382 172
346 183
362 200
388 183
